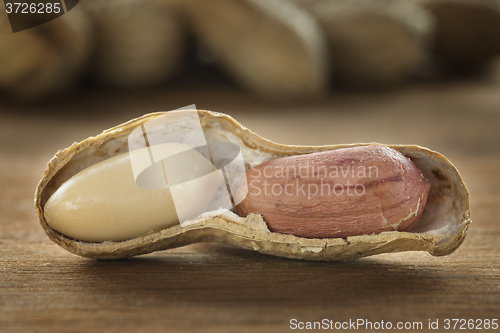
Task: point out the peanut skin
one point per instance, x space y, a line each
338 193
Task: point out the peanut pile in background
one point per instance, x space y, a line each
277 49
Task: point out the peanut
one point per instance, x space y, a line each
45 60
273 48
468 32
138 44
338 193
372 43
104 203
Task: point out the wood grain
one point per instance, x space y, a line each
213 288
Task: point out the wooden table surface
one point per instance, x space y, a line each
213 288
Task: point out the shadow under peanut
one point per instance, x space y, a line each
209 275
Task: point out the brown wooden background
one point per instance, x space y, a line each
212 288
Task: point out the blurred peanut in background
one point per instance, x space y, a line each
274 49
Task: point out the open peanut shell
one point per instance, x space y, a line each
440 230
